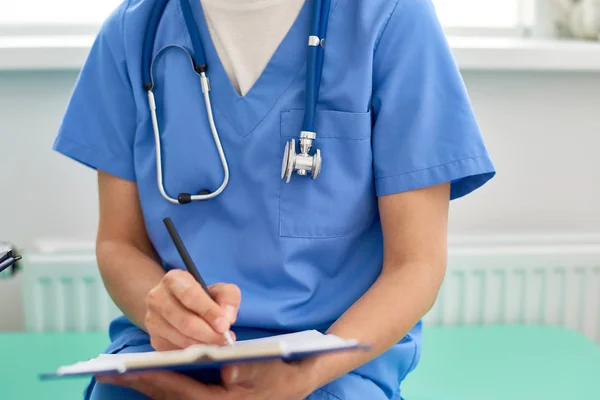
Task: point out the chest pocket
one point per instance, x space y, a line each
342 200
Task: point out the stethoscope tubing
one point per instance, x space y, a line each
207 102
315 61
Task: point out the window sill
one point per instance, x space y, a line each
521 54
44 52
472 53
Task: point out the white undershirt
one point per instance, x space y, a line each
246 34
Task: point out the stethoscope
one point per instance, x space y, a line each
303 162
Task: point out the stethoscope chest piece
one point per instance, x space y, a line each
303 163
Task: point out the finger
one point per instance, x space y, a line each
161 331
169 385
242 374
133 381
229 297
194 298
183 320
161 344
111 380
233 336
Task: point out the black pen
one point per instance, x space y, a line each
189 264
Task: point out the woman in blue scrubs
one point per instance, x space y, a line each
359 252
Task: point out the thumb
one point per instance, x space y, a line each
228 297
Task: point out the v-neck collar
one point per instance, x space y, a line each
244 113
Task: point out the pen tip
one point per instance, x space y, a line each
228 338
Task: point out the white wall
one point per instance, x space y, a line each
42 193
543 130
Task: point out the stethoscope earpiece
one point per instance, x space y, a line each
186 198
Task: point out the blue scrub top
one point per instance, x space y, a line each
393 116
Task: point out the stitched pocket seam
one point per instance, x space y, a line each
288 226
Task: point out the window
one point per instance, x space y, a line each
481 15
80 16
53 17
44 12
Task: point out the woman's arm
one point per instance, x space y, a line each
415 251
414 230
127 260
173 308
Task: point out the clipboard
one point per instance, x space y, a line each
290 347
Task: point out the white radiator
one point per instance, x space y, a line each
532 280
551 280
65 293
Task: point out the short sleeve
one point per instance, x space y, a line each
99 125
425 132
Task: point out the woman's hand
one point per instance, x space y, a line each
180 313
256 381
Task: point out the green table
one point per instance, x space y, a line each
465 363
500 363
23 356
